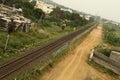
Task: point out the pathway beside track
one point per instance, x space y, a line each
75 66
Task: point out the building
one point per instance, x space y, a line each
69 10
47 8
7 13
87 17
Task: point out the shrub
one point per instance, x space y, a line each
112 34
104 51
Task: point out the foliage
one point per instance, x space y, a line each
28 9
58 13
71 19
20 41
52 24
38 14
91 19
30 75
52 19
103 50
0 1
33 2
3 37
112 34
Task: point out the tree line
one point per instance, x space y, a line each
57 15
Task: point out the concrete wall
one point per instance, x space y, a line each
107 62
115 56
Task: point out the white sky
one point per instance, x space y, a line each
109 9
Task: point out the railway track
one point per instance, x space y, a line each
14 65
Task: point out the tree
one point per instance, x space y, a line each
38 13
92 19
58 13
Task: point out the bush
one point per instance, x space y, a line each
112 34
3 38
71 19
15 43
104 51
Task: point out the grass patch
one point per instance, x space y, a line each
30 75
20 42
34 73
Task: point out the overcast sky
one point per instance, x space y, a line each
109 9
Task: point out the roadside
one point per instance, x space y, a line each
75 66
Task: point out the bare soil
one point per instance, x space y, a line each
75 66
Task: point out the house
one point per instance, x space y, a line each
7 13
47 8
69 10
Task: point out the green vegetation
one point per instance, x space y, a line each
56 16
71 19
46 28
111 37
19 41
112 34
28 9
103 50
36 73
30 75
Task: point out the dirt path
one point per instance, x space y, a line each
74 66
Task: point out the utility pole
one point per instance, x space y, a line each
11 26
40 19
8 37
